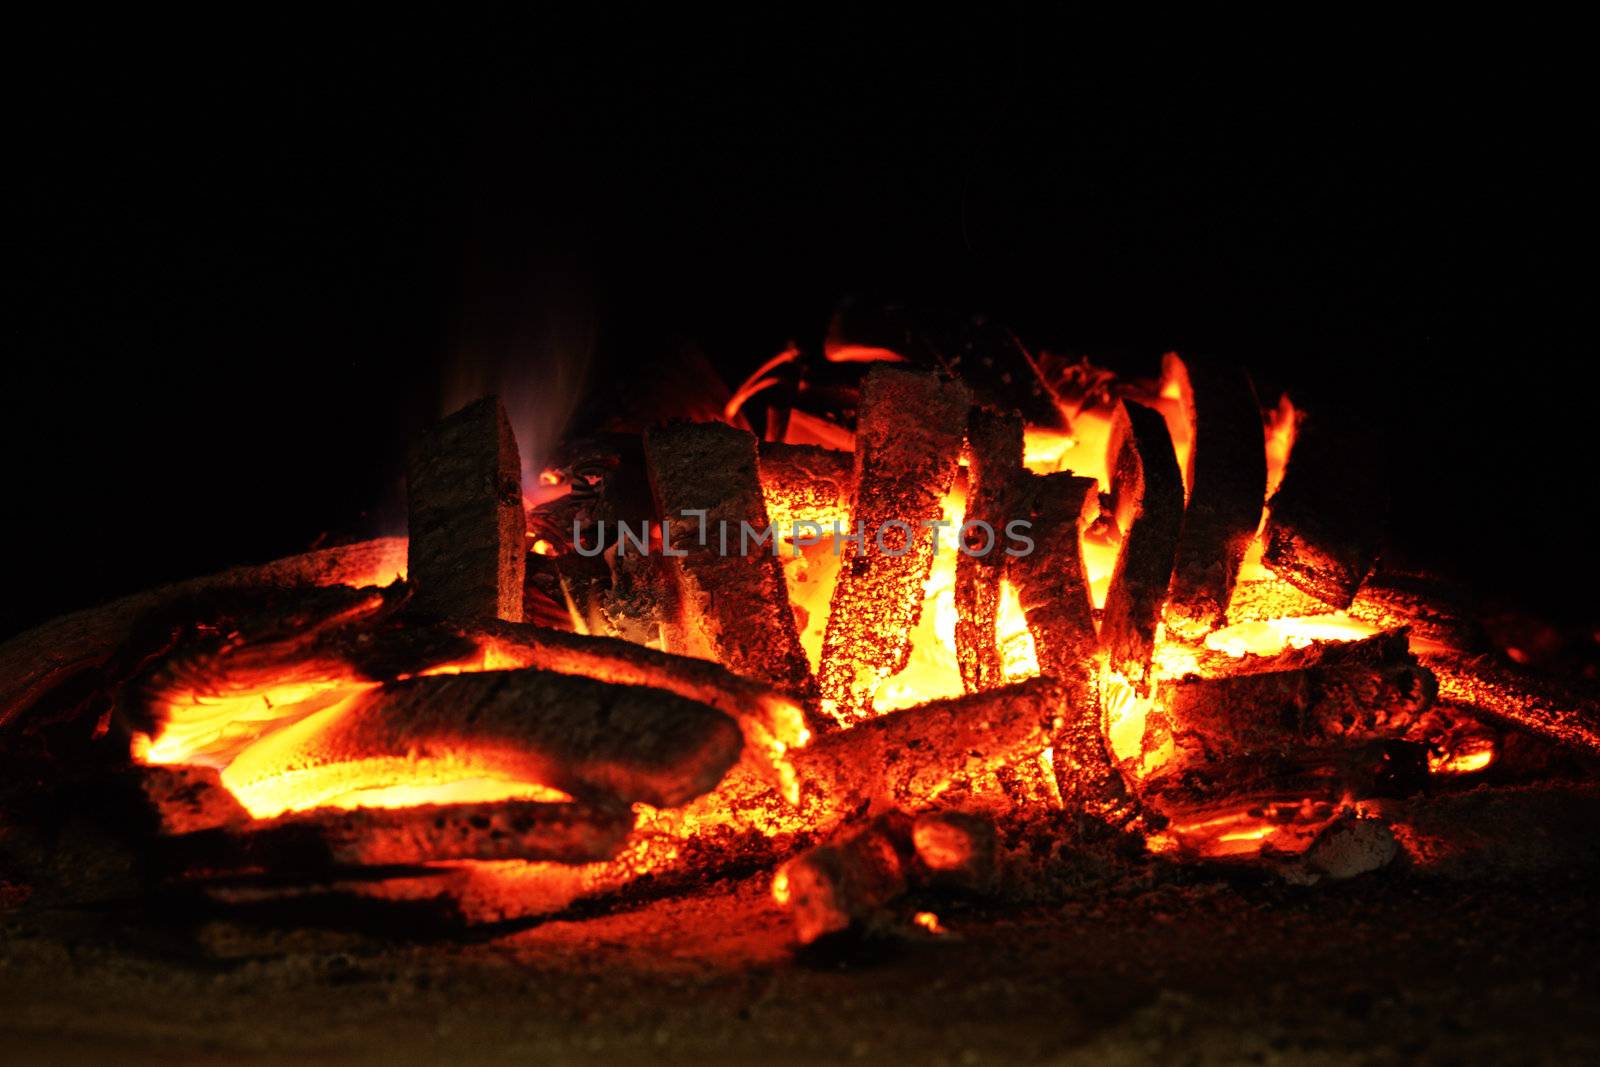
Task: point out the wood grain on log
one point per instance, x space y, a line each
806 483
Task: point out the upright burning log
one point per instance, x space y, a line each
908 446
1147 500
805 483
314 842
994 466
1054 592
1326 523
584 737
905 758
1329 692
705 482
1227 485
468 531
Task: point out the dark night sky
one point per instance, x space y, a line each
251 268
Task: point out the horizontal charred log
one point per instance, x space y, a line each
1326 774
585 737
307 843
468 531
1324 693
1511 697
1227 487
905 758
1326 522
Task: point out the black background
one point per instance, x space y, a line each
254 259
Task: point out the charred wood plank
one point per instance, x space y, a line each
585 737
1147 502
806 483
1325 524
1227 486
1329 692
1516 698
735 603
908 446
905 758
956 850
994 467
311 842
468 529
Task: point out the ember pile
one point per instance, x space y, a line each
956 620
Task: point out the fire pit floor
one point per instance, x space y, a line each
1490 957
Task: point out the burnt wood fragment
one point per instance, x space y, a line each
1147 503
1227 485
845 882
908 446
468 531
1325 524
994 467
733 597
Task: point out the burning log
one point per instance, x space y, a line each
34 662
735 604
1326 521
1147 502
1054 592
772 721
994 465
908 446
584 737
1327 692
468 546
1227 481
312 842
805 483
1508 696
905 758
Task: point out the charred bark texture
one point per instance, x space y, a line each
806 483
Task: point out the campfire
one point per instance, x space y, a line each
903 624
